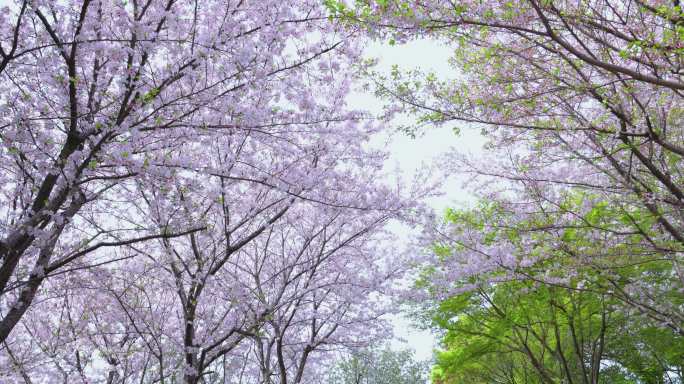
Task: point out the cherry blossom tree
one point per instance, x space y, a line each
12 46
125 122
152 151
97 94
581 103
329 287
275 309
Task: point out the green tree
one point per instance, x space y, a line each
508 325
379 366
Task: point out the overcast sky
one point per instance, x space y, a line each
409 155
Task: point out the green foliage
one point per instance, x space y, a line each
529 333
150 95
524 330
379 366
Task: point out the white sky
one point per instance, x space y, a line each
409 155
